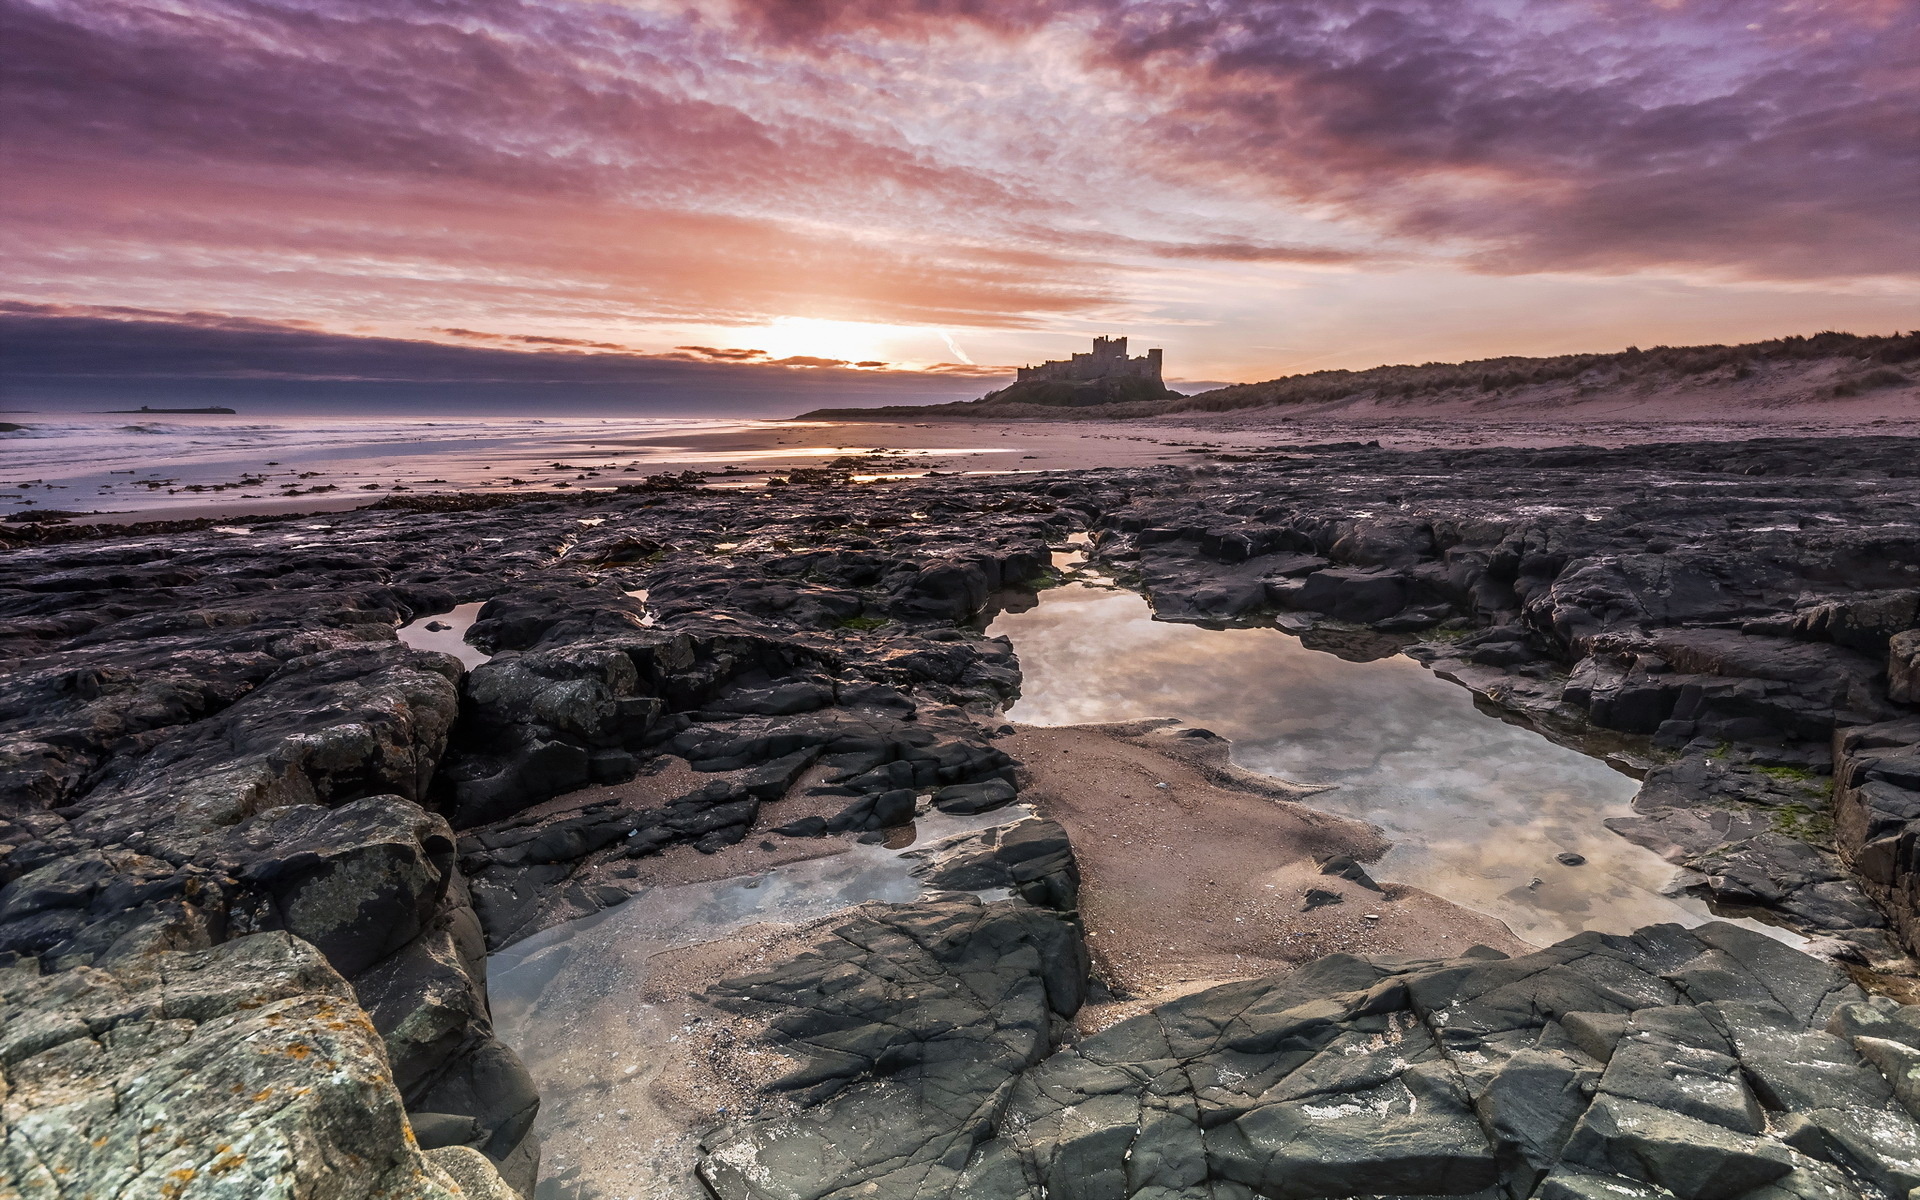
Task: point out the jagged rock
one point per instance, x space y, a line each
1031 858
245 1069
882 810
1903 667
968 798
906 1029
1603 1066
173 694
1876 815
1344 866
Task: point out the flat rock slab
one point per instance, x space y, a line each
1707 1064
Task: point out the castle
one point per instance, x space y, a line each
1108 361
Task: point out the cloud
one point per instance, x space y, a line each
55 351
1772 139
724 355
616 171
529 154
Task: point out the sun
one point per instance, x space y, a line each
853 341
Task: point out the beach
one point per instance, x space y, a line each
116 468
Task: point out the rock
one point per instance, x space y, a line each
247 1063
880 811
946 1003
1900 1063
1876 816
470 1169
1346 868
203 736
1691 1159
947 591
1601 1067
1031 858
1568 858
969 798
1903 667
1361 594
1320 898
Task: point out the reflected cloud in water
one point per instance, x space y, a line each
1477 809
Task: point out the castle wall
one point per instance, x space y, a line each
1107 360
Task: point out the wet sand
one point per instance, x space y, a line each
1202 881
577 457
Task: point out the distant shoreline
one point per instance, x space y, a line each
144 411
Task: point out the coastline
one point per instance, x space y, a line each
587 457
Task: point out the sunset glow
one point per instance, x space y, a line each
1259 187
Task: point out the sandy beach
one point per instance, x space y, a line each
232 466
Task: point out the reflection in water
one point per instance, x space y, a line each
574 1002
1477 809
451 640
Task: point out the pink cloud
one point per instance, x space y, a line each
563 166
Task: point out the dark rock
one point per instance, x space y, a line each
1903 667
967 798
945 1003
1321 898
1346 868
1876 816
1031 858
1361 594
878 811
1605 1066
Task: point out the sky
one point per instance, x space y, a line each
732 205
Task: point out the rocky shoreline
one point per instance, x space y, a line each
251 837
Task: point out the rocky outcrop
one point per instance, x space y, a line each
1031 859
1734 607
1710 1064
1876 815
246 1069
907 1028
1903 667
211 737
233 769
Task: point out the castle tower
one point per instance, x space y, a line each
1107 360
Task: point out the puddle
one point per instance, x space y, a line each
1477 809
451 640
571 1001
640 594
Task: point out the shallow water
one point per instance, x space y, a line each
571 1000
1477 809
136 463
451 640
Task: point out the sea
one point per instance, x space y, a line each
151 466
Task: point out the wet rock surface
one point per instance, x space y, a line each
214 733
1716 618
210 735
1711 1063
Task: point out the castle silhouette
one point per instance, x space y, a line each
1107 361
